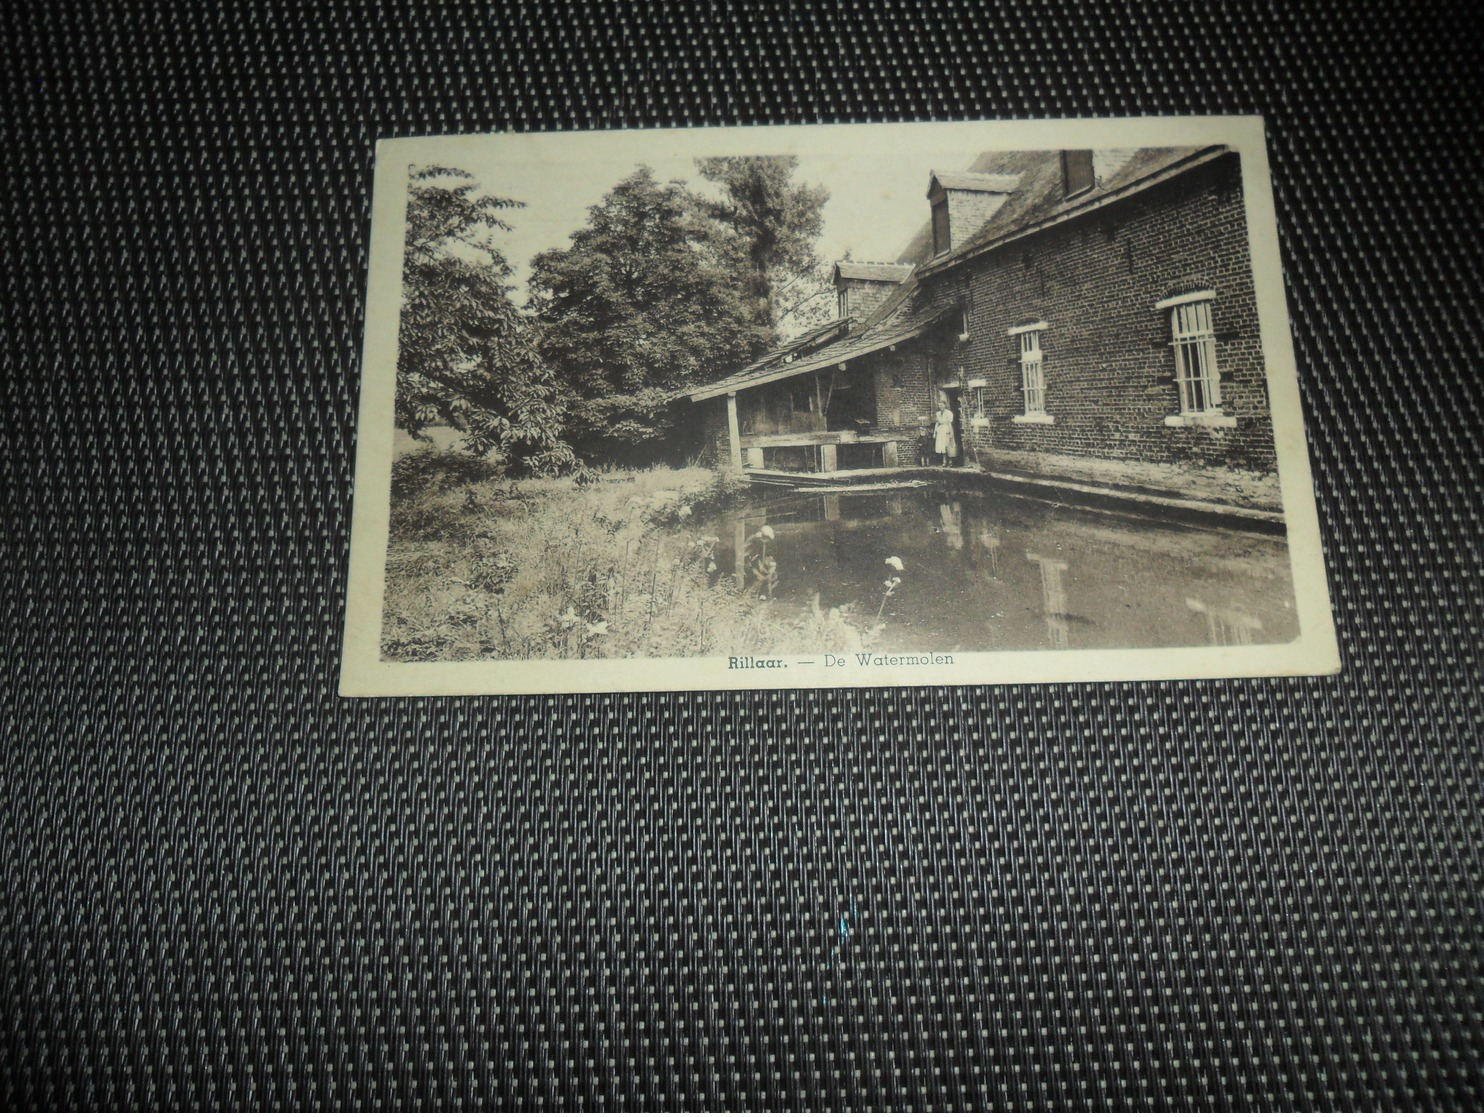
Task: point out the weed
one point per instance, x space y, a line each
891 584
553 569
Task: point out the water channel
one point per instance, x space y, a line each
986 571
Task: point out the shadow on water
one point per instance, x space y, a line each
985 571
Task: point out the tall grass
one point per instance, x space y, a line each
485 568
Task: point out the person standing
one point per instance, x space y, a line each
944 440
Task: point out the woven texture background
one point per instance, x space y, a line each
225 886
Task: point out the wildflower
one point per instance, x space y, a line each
891 585
684 511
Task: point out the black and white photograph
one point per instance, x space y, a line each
830 406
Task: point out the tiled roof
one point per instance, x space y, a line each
1040 198
899 328
1037 199
967 180
858 269
796 345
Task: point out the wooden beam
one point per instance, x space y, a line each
799 438
734 430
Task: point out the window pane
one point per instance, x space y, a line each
940 228
1032 374
1076 168
1194 343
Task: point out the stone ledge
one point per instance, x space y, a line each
1219 485
1113 497
1213 419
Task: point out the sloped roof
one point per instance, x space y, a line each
869 269
1040 199
817 336
900 328
1036 201
968 180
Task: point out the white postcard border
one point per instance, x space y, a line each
365 673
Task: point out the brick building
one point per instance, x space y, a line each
1087 315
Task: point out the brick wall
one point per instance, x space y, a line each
905 399
968 210
1109 367
716 448
864 295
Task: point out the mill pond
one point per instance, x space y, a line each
987 571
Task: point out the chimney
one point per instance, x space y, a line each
863 286
962 202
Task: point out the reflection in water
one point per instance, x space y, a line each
990 543
951 516
1090 580
1053 598
1229 627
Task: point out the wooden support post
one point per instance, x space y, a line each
754 457
889 455
828 458
734 432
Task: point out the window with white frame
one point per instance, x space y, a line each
978 408
1032 372
1194 341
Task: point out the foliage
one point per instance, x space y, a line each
805 302
431 468
548 569
644 298
664 289
466 356
634 429
773 223
891 582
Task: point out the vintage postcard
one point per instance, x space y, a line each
856 405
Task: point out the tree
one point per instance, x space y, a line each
804 302
645 302
774 221
466 356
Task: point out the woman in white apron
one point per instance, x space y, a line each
944 441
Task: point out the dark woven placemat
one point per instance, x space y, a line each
224 886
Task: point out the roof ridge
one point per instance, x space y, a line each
846 349
989 182
1146 167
